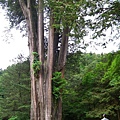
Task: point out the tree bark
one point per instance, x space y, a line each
57 104
61 65
33 40
50 55
41 86
118 114
41 58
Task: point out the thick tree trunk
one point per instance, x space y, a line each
41 86
29 13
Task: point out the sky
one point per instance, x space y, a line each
12 44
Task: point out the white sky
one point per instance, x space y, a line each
110 46
10 48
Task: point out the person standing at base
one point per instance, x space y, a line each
104 117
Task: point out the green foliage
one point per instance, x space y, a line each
15 92
14 118
78 75
67 14
112 72
36 64
106 16
88 96
85 96
100 92
58 84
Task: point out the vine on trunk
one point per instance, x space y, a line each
36 64
58 84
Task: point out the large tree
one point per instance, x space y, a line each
46 56
41 64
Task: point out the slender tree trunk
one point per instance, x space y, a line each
57 104
41 58
48 104
33 48
118 114
61 65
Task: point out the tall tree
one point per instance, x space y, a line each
44 62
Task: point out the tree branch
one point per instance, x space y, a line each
24 8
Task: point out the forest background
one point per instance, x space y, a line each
92 80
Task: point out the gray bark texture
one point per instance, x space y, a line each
41 86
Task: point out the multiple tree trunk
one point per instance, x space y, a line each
42 103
